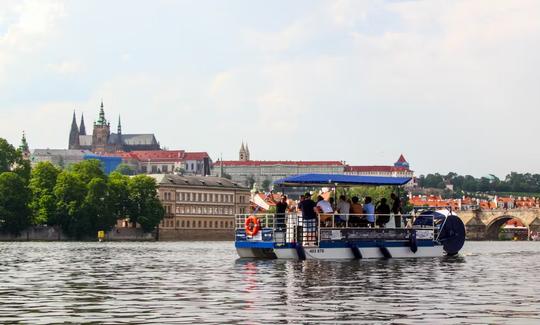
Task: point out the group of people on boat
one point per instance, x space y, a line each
346 212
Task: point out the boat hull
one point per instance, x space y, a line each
344 253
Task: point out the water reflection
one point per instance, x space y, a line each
206 283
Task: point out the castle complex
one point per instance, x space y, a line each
102 140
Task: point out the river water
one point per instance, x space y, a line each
205 283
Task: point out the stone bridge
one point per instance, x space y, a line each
485 224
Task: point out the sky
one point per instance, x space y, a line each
453 85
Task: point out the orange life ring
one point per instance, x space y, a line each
252 225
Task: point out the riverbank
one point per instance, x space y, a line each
124 234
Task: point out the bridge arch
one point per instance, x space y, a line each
492 229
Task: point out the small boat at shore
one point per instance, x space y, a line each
328 237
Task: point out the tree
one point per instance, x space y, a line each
11 160
250 180
88 170
14 198
145 207
42 183
97 207
125 169
266 185
118 185
70 192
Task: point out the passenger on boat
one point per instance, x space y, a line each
396 209
309 217
356 210
325 211
383 213
281 209
343 207
369 211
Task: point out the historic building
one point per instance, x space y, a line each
102 140
400 168
198 207
246 171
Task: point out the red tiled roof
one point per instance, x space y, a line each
195 155
401 159
159 154
376 169
277 162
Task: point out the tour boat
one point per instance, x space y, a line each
426 234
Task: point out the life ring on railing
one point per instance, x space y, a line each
252 225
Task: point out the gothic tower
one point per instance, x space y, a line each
101 133
82 128
119 142
243 154
74 134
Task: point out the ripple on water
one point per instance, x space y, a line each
187 282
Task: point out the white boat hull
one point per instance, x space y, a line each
366 252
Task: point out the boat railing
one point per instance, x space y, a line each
291 227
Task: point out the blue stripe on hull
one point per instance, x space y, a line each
253 244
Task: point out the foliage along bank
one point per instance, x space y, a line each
81 200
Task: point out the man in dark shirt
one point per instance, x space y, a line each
281 209
308 208
396 209
309 216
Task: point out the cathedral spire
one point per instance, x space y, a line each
82 128
102 121
74 134
119 125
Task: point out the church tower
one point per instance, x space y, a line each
243 154
82 128
119 142
101 133
25 150
74 134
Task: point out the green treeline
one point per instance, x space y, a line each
513 182
81 199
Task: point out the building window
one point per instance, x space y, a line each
199 197
204 223
199 223
144 169
177 223
154 169
221 224
164 168
177 196
187 224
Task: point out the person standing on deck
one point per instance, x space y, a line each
396 209
309 218
281 209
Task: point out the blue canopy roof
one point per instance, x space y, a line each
338 179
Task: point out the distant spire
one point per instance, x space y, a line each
24 145
82 128
119 125
74 134
102 121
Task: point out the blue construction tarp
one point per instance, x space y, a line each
109 163
339 179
